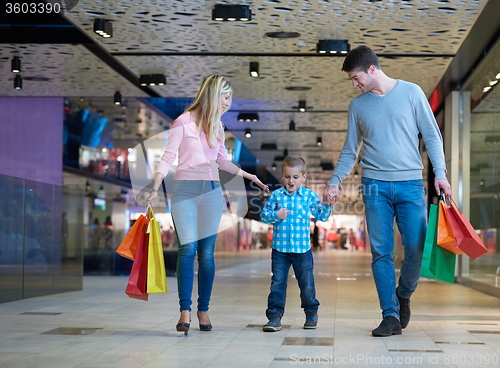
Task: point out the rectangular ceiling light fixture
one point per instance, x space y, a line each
333 46
152 80
103 27
248 117
234 12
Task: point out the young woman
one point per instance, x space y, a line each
197 136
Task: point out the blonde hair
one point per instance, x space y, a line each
208 100
294 161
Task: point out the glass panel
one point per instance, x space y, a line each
485 187
42 251
11 238
41 239
68 270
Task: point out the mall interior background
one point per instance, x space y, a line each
66 158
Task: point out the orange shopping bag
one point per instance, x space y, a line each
446 222
128 246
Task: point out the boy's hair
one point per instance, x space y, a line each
360 58
294 161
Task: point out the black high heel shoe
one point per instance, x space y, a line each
202 326
184 326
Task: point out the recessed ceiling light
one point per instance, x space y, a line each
18 82
282 34
254 69
16 64
302 105
498 76
492 83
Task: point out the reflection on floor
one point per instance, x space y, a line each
451 326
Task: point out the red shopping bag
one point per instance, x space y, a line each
467 238
128 246
136 287
332 236
446 223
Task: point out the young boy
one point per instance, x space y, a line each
289 209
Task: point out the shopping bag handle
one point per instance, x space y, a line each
149 212
446 200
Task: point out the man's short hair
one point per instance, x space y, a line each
360 58
294 161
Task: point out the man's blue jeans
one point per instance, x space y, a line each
405 201
196 212
303 266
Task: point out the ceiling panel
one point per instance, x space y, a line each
410 26
72 70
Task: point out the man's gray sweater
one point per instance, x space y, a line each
388 126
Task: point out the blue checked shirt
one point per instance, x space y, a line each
292 235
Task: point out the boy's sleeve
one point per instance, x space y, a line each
269 214
318 209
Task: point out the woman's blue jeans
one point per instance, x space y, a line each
405 201
303 266
196 212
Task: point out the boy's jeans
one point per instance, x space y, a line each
303 266
383 201
196 211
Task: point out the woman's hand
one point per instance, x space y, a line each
256 180
152 195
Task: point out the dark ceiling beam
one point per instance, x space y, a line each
52 34
482 36
275 54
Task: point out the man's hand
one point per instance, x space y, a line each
331 194
442 187
283 213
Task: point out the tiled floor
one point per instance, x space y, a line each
452 326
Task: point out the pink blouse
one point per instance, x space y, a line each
197 160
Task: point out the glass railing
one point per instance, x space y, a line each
41 239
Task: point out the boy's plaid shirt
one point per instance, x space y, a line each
293 234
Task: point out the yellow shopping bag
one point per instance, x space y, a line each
157 278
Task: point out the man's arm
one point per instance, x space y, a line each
433 140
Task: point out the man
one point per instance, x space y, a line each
387 118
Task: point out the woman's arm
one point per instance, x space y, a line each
253 178
156 185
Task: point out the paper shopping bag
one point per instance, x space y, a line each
128 246
157 278
136 287
446 223
467 238
437 263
